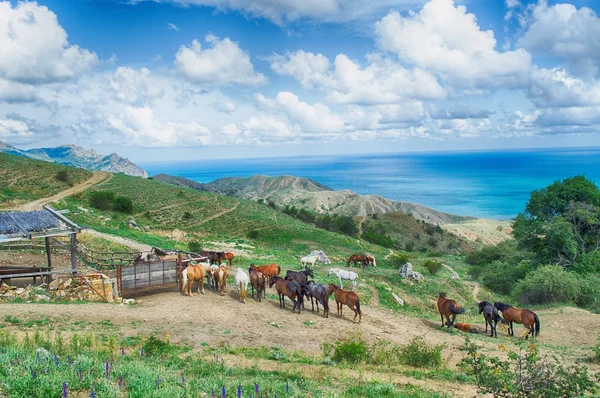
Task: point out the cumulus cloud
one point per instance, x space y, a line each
461 110
20 130
224 106
16 92
556 88
224 62
133 86
346 82
34 48
567 32
445 39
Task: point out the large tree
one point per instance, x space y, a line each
561 222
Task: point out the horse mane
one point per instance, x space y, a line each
501 306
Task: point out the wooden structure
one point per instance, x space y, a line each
29 225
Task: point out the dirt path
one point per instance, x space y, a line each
132 244
476 288
219 214
97 178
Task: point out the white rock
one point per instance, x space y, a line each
398 300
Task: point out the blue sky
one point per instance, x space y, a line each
192 79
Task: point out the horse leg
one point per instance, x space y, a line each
189 288
453 319
354 285
511 331
201 281
442 316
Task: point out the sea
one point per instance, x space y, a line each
484 184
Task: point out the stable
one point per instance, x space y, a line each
17 227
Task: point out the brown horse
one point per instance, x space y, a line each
220 274
448 307
467 328
227 256
258 283
358 258
193 273
287 288
268 270
528 318
345 297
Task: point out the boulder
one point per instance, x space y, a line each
132 222
417 277
406 270
398 300
146 228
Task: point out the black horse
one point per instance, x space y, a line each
213 257
299 276
321 295
491 316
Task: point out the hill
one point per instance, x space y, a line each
311 195
77 156
182 182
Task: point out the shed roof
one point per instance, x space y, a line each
16 226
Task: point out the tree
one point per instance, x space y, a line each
102 200
561 222
123 204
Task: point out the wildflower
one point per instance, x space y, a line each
107 368
80 373
183 379
65 393
239 394
287 386
56 360
34 374
213 393
142 352
69 360
120 381
122 352
92 394
158 382
223 392
168 337
256 388
38 357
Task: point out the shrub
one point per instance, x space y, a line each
62 176
195 246
400 259
409 246
587 263
186 215
433 266
351 349
123 204
501 277
102 200
596 353
419 354
590 290
548 284
272 204
253 234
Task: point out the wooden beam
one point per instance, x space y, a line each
20 227
74 254
64 219
48 254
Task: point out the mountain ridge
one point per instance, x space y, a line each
73 155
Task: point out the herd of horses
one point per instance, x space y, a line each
491 314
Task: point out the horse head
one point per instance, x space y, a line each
309 272
442 294
482 305
331 288
501 306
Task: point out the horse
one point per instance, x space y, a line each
220 276
287 288
344 297
241 282
192 273
465 327
300 277
365 259
322 256
227 256
213 257
213 269
258 283
321 295
448 307
528 318
306 260
343 274
372 260
268 270
490 314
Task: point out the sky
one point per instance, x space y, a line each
164 80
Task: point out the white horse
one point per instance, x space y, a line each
241 282
322 256
306 260
345 275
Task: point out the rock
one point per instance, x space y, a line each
42 351
128 301
83 209
406 270
406 281
132 222
146 228
418 277
19 291
40 297
398 300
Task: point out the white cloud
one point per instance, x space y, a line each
268 130
172 26
16 92
133 86
445 39
138 127
567 32
224 106
555 88
461 110
34 47
17 129
346 82
223 63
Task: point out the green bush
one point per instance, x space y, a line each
548 284
399 259
187 215
195 246
419 354
433 266
123 204
253 234
62 176
352 349
587 263
101 200
590 290
501 277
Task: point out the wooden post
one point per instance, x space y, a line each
74 254
48 254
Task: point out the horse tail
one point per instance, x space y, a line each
185 280
537 325
358 305
374 262
455 309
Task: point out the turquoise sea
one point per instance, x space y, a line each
483 184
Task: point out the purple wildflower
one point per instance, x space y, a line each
65 393
120 381
34 374
223 392
213 393
142 352
38 357
182 379
287 386
122 352
107 368
239 391
56 360
92 394
256 388
158 382
69 361
18 359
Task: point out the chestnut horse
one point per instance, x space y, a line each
448 307
258 283
345 297
220 275
358 258
229 257
192 273
268 270
528 318
287 288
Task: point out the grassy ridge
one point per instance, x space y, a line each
23 180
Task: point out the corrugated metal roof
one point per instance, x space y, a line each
14 225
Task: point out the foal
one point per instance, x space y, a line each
448 307
491 316
344 297
287 288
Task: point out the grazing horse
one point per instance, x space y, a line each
300 277
258 283
287 288
241 282
321 295
220 275
306 260
344 297
343 274
448 307
528 318
358 258
372 260
192 273
268 270
491 316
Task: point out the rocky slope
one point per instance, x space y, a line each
77 156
